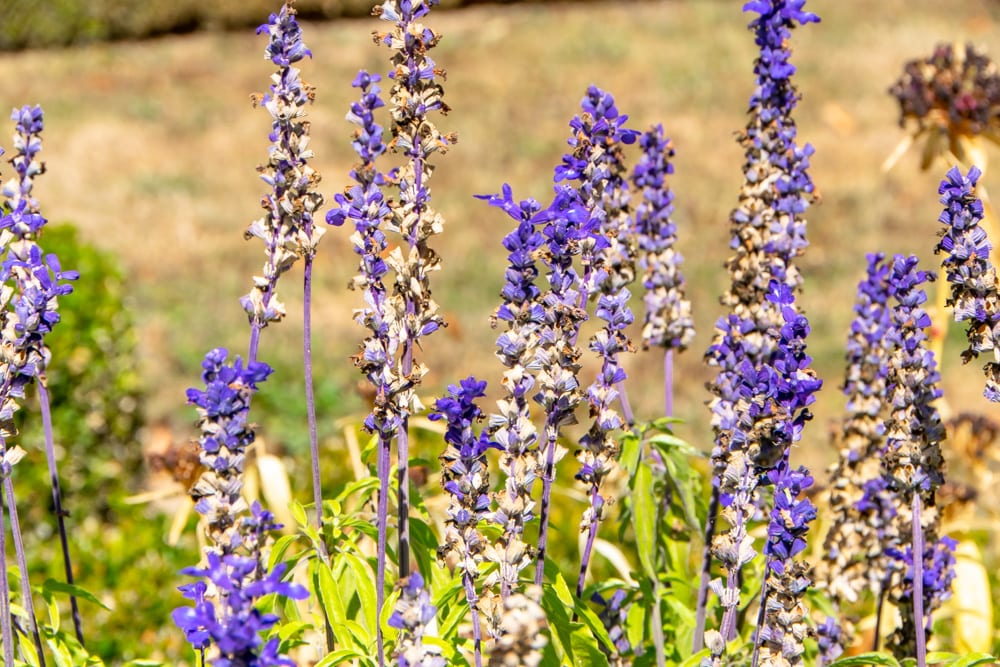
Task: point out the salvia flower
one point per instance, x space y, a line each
768 234
223 410
224 614
465 477
523 315
412 616
784 619
668 321
974 285
855 561
830 640
912 461
613 613
287 227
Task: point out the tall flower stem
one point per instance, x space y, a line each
668 383
22 564
310 391
5 623
706 572
383 465
50 455
918 583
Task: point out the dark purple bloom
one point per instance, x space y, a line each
973 278
668 322
224 612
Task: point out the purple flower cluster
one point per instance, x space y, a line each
224 612
912 464
223 409
754 427
668 322
286 227
523 315
465 477
975 292
938 573
859 496
412 616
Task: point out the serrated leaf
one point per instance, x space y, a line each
56 586
644 518
865 660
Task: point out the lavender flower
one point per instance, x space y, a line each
967 266
32 283
912 462
413 613
830 640
783 617
938 573
855 561
465 477
613 614
668 322
768 235
224 612
523 314
286 228
226 433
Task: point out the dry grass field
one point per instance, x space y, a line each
151 148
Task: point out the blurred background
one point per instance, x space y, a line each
151 144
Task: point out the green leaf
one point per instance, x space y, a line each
364 582
338 657
644 518
329 595
560 623
970 660
597 629
586 652
865 660
299 513
631 449
681 483
279 549
695 659
56 586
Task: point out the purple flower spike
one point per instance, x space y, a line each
465 477
912 464
752 428
224 612
223 409
975 291
668 322
287 226
855 561
412 616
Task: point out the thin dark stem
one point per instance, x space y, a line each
310 393
50 455
918 583
403 480
878 612
311 417
706 572
760 620
589 546
382 519
5 624
22 563
548 476
477 633
668 383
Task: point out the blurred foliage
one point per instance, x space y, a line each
31 24
117 551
